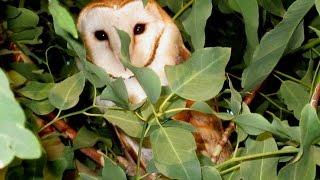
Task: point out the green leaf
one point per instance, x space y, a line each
235 100
262 168
202 107
273 45
205 108
65 94
309 127
39 107
295 96
196 22
84 176
273 6
297 38
36 90
202 76
305 168
95 74
111 171
283 130
317 2
87 138
253 124
29 36
56 166
209 172
126 120
62 17
13 136
180 124
174 5
250 12
20 19
147 78
174 153
116 92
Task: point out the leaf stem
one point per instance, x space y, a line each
292 79
145 130
174 110
307 46
182 10
165 102
230 169
275 104
57 118
254 156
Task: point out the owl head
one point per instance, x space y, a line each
155 39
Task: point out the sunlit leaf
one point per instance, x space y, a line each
126 120
262 168
174 153
210 173
14 137
202 76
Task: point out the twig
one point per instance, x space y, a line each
315 96
64 128
231 127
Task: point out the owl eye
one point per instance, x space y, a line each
101 35
139 28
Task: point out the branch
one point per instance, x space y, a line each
231 127
315 96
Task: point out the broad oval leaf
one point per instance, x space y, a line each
36 90
273 45
126 120
43 107
202 76
13 136
295 96
305 168
253 124
62 18
196 22
209 172
309 127
65 95
111 171
262 168
174 153
116 92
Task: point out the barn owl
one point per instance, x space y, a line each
155 39
155 42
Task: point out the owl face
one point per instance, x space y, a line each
155 39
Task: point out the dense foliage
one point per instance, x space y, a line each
256 60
